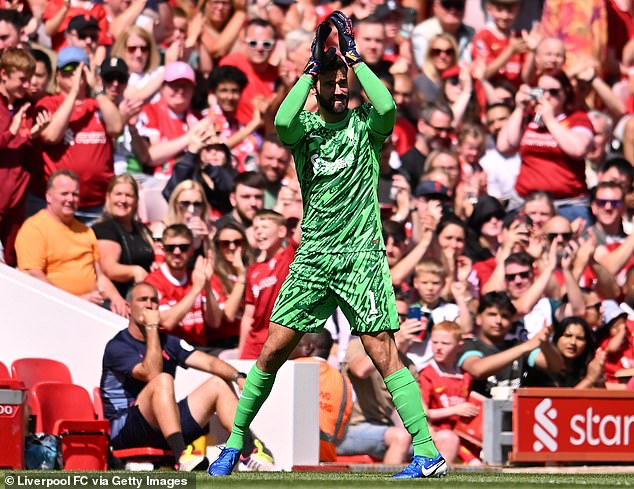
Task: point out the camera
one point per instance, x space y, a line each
536 93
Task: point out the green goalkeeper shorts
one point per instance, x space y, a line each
359 283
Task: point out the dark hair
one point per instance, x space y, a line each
249 179
499 300
395 229
223 74
621 165
13 17
520 258
177 230
566 86
272 138
42 57
448 219
256 21
580 363
222 268
600 185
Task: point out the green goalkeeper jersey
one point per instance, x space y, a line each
338 167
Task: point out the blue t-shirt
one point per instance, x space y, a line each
119 389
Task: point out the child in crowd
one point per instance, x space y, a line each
501 48
429 280
264 279
445 390
617 344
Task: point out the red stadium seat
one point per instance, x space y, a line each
31 371
361 458
66 411
137 454
34 370
4 371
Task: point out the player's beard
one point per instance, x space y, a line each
329 105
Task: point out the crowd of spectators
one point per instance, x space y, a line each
137 144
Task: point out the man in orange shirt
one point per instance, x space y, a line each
335 392
56 248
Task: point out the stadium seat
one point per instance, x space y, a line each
4 371
66 411
33 370
136 454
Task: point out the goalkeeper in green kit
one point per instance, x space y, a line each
341 260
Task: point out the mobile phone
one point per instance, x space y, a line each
414 312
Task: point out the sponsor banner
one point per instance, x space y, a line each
573 425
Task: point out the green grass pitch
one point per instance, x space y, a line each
350 480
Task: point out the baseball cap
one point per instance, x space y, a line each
612 312
114 65
82 22
179 70
70 55
432 190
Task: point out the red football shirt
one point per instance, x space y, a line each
264 281
546 167
487 45
58 40
441 390
192 327
86 149
156 120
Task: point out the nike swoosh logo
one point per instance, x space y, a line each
427 471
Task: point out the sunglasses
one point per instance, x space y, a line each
510 277
170 248
438 51
266 44
552 236
186 204
596 306
226 243
615 203
453 4
448 130
553 92
121 79
93 36
133 49
69 68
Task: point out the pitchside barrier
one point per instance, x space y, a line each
573 425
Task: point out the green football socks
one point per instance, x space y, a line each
406 396
257 388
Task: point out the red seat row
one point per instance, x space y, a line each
64 409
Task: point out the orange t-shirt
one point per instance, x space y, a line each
335 394
66 254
